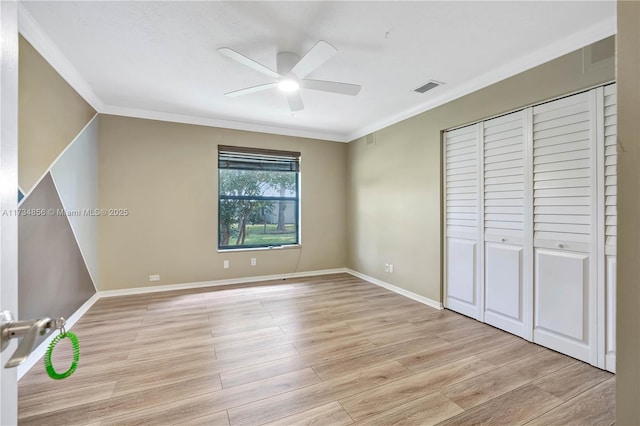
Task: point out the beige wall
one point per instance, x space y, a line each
394 182
166 175
628 303
50 115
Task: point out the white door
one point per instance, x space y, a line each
507 259
8 196
565 229
463 271
610 219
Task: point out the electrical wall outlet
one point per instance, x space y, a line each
386 267
154 277
253 261
225 264
391 268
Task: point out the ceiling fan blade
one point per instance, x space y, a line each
331 86
295 101
251 89
315 57
238 57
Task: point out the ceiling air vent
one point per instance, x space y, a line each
430 85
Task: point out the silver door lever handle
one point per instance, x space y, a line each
28 331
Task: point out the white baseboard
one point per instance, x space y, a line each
395 289
610 362
41 349
216 283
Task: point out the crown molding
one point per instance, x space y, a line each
34 34
562 47
221 123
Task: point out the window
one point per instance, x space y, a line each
258 197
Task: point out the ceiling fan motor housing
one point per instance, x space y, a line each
285 61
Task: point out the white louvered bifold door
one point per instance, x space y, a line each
462 220
564 225
507 289
610 218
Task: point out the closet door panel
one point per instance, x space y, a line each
505 200
462 220
504 287
610 349
462 282
562 302
565 225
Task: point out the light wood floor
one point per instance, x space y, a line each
330 350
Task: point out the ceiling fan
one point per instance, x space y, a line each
291 73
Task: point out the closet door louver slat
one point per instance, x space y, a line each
562 174
462 175
610 161
504 158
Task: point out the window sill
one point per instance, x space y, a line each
273 248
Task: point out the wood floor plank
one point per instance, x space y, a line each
389 396
256 372
572 380
232 397
304 341
216 419
487 386
219 330
178 370
515 407
596 406
435 356
465 333
541 364
510 352
425 411
330 414
376 356
248 335
290 403
195 410
66 397
118 405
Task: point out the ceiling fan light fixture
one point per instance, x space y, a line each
288 85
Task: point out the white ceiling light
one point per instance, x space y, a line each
288 85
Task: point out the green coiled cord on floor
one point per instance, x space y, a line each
75 345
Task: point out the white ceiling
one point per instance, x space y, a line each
158 59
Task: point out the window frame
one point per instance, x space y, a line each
295 158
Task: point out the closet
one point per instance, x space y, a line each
530 223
